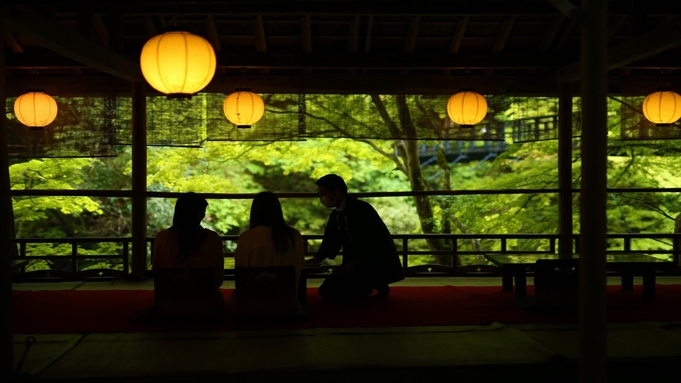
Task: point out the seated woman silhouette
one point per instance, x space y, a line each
188 246
268 242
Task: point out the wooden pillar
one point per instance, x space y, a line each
6 222
592 279
139 180
565 246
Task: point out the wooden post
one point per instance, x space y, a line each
592 279
565 247
6 223
139 180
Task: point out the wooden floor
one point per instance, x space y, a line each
641 351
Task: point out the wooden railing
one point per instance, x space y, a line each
452 253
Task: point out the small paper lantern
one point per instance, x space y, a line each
178 64
467 108
243 108
35 109
662 107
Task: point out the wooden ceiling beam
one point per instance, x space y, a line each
568 9
149 26
306 33
550 35
213 35
260 41
637 48
457 38
412 34
529 85
11 41
102 32
25 22
353 37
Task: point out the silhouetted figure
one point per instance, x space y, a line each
370 260
182 253
268 246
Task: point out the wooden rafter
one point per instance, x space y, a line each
259 31
101 31
456 39
353 37
306 33
550 35
53 36
502 38
353 34
636 48
213 33
410 42
12 42
367 41
568 9
149 26
504 32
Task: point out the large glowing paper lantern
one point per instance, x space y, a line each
178 64
467 108
243 108
35 109
663 107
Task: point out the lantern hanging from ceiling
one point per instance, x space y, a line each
467 108
178 64
35 109
243 108
662 107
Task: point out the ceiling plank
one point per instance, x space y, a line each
53 36
639 47
213 33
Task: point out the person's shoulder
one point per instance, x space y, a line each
212 235
166 233
295 231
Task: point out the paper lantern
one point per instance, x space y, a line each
178 64
35 109
467 108
662 107
243 108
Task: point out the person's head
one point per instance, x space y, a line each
266 211
332 190
190 209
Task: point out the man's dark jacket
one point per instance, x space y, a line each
365 240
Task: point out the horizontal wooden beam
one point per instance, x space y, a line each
637 48
25 22
342 83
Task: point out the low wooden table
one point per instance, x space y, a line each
629 264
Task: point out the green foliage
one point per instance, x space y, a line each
367 166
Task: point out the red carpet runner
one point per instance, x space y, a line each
69 311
